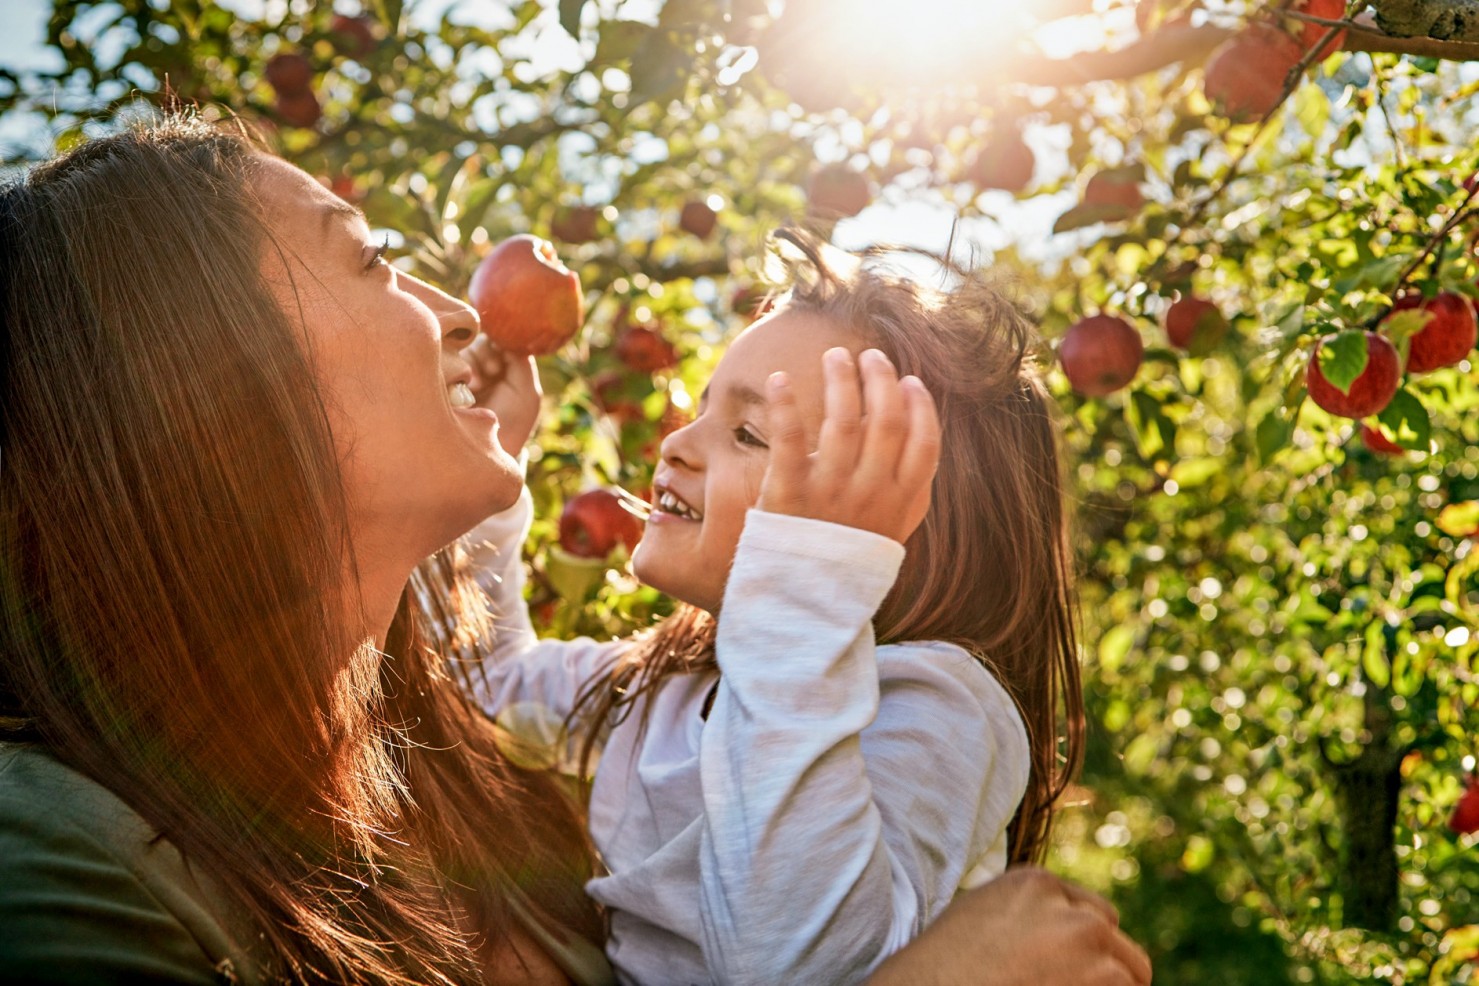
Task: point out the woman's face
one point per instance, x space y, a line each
421 466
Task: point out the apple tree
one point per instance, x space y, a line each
1246 230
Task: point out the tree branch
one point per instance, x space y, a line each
1184 43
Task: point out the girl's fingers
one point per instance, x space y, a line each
921 451
783 489
842 424
886 423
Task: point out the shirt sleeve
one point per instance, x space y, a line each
522 667
847 789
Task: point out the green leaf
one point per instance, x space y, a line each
1403 325
1377 273
1343 359
1189 473
1374 656
1143 414
621 40
1406 421
389 12
1459 519
1274 432
1312 109
1087 215
570 16
1115 645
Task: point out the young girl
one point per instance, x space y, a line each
856 712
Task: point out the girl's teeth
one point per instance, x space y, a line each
461 395
669 503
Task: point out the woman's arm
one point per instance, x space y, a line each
1027 928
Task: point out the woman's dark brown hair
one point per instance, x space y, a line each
172 536
990 568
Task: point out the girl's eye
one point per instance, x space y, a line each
745 436
377 258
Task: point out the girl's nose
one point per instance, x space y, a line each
680 447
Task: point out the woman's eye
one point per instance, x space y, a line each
745 436
377 256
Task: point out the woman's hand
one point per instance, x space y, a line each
1025 928
876 454
508 385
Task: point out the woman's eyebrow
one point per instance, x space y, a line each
339 209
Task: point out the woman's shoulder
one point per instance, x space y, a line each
89 892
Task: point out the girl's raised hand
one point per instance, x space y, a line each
508 385
876 453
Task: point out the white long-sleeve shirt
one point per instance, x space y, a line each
829 807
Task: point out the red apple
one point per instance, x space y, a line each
644 349
289 72
697 218
1117 187
837 192
529 302
575 224
1465 817
298 109
1449 335
751 301
1193 322
1100 354
1376 442
609 388
1006 162
1310 34
1369 393
593 523
344 186
1245 76
353 37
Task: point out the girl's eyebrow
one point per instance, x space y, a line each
739 393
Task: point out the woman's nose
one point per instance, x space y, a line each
459 320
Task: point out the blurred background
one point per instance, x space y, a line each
1279 650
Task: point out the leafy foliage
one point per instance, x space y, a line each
1280 642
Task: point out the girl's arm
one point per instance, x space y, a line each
847 790
523 668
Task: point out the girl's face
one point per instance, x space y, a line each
711 469
421 465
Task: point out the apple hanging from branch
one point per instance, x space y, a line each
1447 337
1100 354
528 301
593 523
1365 371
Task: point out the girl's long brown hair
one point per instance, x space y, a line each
172 536
990 567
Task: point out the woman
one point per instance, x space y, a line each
228 434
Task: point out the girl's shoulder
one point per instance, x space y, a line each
916 668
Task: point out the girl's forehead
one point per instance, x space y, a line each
789 340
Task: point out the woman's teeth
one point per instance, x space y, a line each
460 395
670 504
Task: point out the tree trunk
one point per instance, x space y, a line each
1446 20
1367 789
